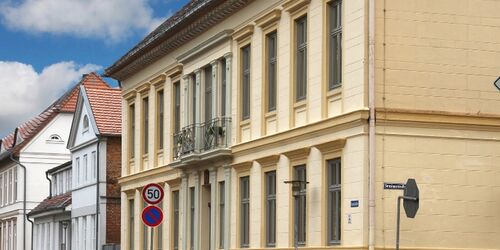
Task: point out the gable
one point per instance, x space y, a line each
83 128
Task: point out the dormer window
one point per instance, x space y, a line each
85 123
54 138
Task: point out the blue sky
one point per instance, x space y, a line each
46 45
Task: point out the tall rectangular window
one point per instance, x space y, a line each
335 44
15 183
94 165
271 44
221 213
85 168
145 125
191 217
131 224
244 211
159 118
1 193
175 215
10 185
223 87
177 107
193 106
245 82
270 208
301 58
132 131
208 93
160 231
334 200
78 174
300 205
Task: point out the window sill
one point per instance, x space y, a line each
245 122
270 114
335 92
300 104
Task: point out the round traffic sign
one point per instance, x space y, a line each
152 193
152 216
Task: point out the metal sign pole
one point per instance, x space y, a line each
398 221
296 226
152 237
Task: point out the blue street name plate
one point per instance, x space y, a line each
400 186
355 203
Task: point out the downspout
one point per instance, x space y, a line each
32 228
371 131
97 195
50 184
11 155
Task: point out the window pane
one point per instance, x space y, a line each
131 224
300 205
193 107
244 212
270 208
191 218
221 213
271 71
177 111
160 119
334 200
223 91
132 130
301 59
175 205
208 93
145 115
335 44
245 71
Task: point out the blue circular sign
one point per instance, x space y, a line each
152 216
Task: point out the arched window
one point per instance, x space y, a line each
55 138
85 123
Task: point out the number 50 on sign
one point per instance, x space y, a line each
152 193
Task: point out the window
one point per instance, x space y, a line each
177 107
208 93
335 44
145 125
15 183
334 200
221 213
245 82
191 217
300 205
77 171
85 123
244 211
175 224
132 131
271 44
131 224
301 59
85 168
223 86
94 165
160 231
193 106
10 186
270 204
159 118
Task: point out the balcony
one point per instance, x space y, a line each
203 140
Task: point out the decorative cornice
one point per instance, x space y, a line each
269 19
268 160
242 166
143 88
243 33
174 71
206 45
130 95
157 81
331 146
297 154
293 6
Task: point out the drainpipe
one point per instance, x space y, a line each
32 229
50 184
97 195
371 131
11 155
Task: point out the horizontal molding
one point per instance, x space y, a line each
206 45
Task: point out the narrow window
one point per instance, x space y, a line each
300 205
177 107
77 171
159 233
10 185
85 168
175 210
130 224
208 93
145 124
244 212
245 82
270 208
301 59
193 111
191 217
221 213
223 87
334 200
159 118
85 123
335 44
132 131
271 43
1 194
94 165
15 183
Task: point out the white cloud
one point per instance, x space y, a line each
25 93
110 20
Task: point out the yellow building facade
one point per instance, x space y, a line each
227 100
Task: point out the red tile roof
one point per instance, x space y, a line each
56 202
106 104
66 103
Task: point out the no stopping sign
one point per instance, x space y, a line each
152 193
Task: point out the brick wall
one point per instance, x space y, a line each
113 172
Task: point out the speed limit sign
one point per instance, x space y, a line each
152 193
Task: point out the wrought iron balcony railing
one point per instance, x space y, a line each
202 137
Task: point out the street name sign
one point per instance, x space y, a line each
397 186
